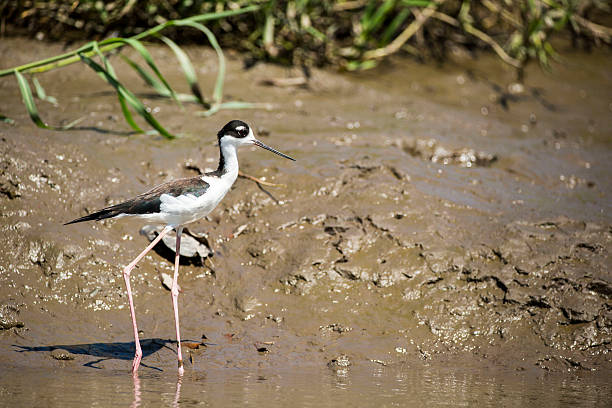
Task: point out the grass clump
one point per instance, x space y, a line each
350 33
129 102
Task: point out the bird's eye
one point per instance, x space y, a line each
242 132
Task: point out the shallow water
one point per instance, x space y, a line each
374 387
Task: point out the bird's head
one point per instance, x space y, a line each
237 133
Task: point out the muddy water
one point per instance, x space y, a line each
400 387
445 235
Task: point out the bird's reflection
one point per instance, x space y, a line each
138 393
177 394
137 397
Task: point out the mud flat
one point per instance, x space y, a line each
435 217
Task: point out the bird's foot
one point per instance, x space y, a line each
136 364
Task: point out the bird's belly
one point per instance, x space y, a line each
188 208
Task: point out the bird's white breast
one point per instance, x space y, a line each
187 208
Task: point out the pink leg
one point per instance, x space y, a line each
177 393
175 293
126 276
137 393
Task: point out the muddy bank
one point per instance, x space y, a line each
445 218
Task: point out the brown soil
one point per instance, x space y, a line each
434 216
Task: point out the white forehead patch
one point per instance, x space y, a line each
240 128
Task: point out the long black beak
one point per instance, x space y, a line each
258 143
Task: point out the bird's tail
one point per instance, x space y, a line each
108 212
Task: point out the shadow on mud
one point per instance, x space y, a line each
106 351
103 131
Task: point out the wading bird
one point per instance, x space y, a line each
179 202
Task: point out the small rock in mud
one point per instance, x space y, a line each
10 189
8 317
263 347
560 363
265 252
200 236
191 247
430 149
61 354
351 241
167 282
275 319
47 256
342 362
441 261
246 303
579 308
335 327
601 287
411 294
352 272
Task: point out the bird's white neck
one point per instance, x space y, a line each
228 161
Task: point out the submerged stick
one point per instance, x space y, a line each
259 181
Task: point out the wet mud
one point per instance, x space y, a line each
434 217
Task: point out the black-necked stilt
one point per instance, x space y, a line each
180 202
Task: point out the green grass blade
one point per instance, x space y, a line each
416 3
144 53
373 17
126 94
187 98
244 105
187 68
129 118
222 14
218 92
268 31
380 14
28 100
397 22
316 33
40 92
361 65
155 84
367 14
148 78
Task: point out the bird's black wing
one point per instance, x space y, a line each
149 202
